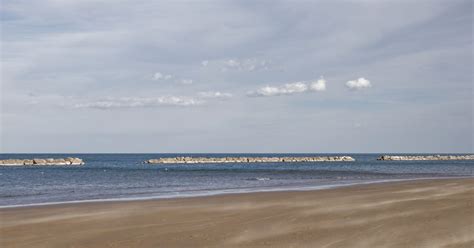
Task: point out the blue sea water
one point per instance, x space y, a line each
125 176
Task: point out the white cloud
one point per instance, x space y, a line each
232 63
287 89
251 64
161 76
186 81
157 76
136 102
205 62
290 88
214 94
318 85
164 77
358 84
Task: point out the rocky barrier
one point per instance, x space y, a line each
40 161
197 160
429 157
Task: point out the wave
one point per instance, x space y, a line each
223 192
259 179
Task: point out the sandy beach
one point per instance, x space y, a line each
425 213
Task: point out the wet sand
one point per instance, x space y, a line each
425 213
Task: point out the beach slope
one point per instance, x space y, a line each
425 213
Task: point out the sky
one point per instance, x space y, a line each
138 76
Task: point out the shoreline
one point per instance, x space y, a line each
229 192
394 214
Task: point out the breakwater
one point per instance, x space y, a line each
40 161
197 160
428 157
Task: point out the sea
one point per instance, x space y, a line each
122 177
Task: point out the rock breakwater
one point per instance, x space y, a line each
197 160
428 157
40 161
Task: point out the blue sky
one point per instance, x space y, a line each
236 76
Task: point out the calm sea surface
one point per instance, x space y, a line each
125 176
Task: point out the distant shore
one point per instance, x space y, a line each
425 213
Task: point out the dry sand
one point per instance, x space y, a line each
428 213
